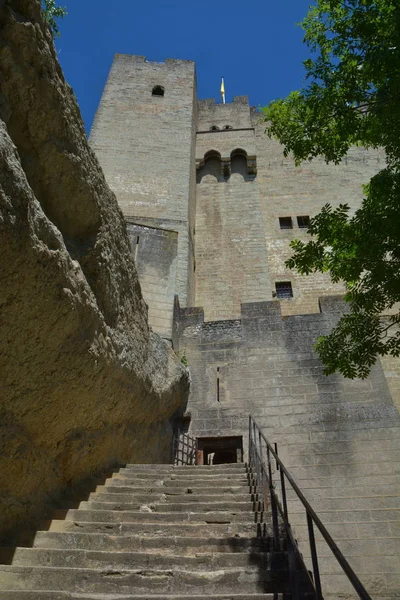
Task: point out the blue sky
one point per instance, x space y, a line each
256 45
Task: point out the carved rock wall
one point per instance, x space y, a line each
84 383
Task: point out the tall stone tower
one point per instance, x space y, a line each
211 205
144 136
210 202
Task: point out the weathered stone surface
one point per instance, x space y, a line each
112 553
84 382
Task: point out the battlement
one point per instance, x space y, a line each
235 115
212 102
267 314
138 59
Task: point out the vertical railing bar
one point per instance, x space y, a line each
254 445
249 457
262 482
273 503
283 489
314 557
276 451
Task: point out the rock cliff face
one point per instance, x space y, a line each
84 383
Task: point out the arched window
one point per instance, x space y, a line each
228 127
214 128
212 167
239 162
158 90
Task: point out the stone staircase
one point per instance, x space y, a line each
157 531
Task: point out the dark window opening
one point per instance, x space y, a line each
283 290
239 162
158 90
214 128
220 450
228 127
303 222
218 399
212 166
285 223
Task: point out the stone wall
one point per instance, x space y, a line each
156 255
234 114
84 383
231 248
231 255
145 146
339 438
287 190
240 247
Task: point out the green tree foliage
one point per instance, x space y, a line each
52 12
352 97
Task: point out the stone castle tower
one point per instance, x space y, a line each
211 205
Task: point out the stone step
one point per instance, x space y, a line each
170 490
213 529
189 469
43 595
207 506
242 580
125 560
150 516
118 543
121 481
139 499
201 477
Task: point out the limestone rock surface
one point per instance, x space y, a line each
84 383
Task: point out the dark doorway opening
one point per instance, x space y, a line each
219 450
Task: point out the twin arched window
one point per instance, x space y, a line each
222 169
216 128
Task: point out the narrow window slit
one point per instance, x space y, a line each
136 247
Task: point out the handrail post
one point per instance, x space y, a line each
283 488
254 452
314 557
274 509
249 450
262 482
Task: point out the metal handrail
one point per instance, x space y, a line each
312 517
184 449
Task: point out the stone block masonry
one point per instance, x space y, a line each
207 172
340 438
145 144
231 248
287 190
156 254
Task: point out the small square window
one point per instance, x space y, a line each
285 223
158 90
283 290
303 222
